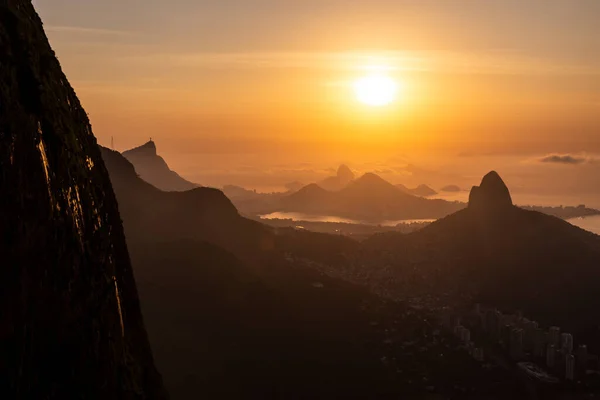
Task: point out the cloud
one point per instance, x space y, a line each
568 159
87 31
417 61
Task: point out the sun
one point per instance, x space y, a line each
376 90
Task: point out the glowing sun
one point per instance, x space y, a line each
376 90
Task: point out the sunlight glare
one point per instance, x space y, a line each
376 90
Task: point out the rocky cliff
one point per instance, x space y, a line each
70 319
492 194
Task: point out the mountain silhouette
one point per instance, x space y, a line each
343 177
421 190
205 214
499 254
252 202
70 319
492 194
294 186
225 302
311 199
154 169
451 189
369 198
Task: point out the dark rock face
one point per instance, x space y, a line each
492 194
70 320
154 169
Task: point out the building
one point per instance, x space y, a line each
550 356
489 322
539 343
530 331
570 367
566 343
582 358
471 348
516 344
505 332
554 336
456 322
478 354
465 336
499 324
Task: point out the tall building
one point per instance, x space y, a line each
465 335
554 336
499 324
488 321
471 348
582 358
456 322
566 343
505 333
530 329
550 356
539 343
478 354
570 367
516 343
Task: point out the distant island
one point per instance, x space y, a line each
563 212
421 190
451 189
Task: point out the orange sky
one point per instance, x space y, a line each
272 81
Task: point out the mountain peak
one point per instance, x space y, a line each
345 173
148 148
342 178
492 193
373 184
371 176
155 170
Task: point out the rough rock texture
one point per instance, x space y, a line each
154 169
70 320
492 194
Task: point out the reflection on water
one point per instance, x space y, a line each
591 224
333 219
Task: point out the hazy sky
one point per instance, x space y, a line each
232 84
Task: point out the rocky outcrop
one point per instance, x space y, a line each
343 177
421 190
345 174
70 319
154 169
492 194
424 191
